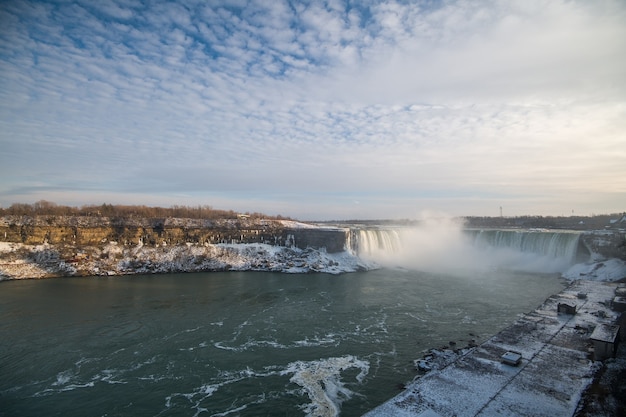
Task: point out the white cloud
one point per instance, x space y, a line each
502 51
458 106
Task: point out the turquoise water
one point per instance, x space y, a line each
239 344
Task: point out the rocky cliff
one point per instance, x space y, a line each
42 246
81 231
606 243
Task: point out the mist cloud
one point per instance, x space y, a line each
440 244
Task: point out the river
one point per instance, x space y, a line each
240 343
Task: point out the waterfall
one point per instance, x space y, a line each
371 243
551 244
446 247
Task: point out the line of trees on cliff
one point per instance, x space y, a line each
594 221
48 208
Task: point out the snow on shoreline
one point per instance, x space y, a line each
20 261
597 270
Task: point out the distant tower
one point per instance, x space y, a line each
500 211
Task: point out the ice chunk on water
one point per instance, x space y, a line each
321 380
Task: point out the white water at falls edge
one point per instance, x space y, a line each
452 249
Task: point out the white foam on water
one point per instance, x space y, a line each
321 380
205 391
63 377
192 330
109 376
251 344
200 345
317 341
327 340
63 387
66 381
71 379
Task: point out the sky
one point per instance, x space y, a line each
316 110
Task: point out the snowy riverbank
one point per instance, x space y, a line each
20 261
597 270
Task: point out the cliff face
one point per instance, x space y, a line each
46 246
607 243
171 231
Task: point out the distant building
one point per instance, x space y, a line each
618 222
605 338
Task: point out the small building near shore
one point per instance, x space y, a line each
511 358
566 308
605 338
619 304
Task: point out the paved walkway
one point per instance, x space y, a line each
554 371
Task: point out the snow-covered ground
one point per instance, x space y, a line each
18 261
597 270
292 224
555 369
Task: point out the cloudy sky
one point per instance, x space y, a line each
316 109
